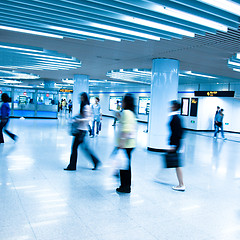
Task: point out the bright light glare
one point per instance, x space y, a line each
199 75
236 69
20 49
11 81
233 63
30 32
69 81
126 31
238 55
159 26
96 35
189 17
225 5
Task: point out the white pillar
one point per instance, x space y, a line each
163 90
81 84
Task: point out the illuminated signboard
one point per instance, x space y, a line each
113 103
66 90
194 107
22 99
185 106
214 93
143 105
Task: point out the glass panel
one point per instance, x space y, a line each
24 102
47 104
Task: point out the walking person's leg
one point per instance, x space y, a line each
115 121
180 176
90 153
11 135
125 175
73 159
216 131
98 126
93 128
1 132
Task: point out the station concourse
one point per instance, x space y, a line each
154 52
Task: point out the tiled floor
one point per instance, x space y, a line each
38 200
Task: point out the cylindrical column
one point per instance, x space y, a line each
163 90
81 84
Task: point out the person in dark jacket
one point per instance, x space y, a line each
5 112
175 140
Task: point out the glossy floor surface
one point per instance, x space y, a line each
38 200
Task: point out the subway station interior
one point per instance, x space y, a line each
154 52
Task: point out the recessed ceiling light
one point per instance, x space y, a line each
30 32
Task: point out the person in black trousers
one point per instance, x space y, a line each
5 112
127 140
79 138
175 140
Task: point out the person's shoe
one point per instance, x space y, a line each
214 137
179 188
123 190
69 169
224 138
91 136
97 165
15 138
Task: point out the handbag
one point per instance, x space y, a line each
172 160
120 159
73 127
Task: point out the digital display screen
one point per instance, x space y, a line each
143 105
185 106
113 102
214 93
194 107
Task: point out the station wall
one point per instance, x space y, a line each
207 107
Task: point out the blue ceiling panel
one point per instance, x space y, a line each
116 20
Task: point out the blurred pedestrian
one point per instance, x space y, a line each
5 112
176 135
97 116
127 140
219 124
79 138
117 113
216 113
70 106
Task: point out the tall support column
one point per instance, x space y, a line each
165 74
81 84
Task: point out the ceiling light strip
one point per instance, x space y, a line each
30 32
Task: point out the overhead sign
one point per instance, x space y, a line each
214 93
66 90
25 94
47 95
